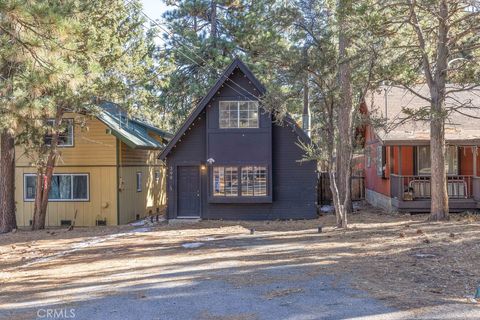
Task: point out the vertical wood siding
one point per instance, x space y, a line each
102 203
152 198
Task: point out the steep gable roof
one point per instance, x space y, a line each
237 63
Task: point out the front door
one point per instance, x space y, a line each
188 192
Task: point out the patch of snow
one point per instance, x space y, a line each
138 223
138 230
424 255
85 244
207 239
327 209
192 245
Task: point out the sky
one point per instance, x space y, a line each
154 8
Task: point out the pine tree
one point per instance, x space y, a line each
435 43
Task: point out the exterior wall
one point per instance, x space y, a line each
372 180
152 198
465 158
94 152
102 204
292 184
379 200
92 146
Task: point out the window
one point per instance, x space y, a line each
253 181
65 187
423 160
238 114
225 181
139 182
381 161
65 137
157 176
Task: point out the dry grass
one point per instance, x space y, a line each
397 258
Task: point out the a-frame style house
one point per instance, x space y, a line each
230 160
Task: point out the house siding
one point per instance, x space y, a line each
292 186
152 197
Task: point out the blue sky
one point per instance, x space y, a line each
154 8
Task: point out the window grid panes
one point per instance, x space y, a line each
238 114
253 181
65 187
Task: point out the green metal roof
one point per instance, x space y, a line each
133 132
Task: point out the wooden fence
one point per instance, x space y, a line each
325 195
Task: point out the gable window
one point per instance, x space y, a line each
248 181
238 114
65 137
139 182
423 160
65 187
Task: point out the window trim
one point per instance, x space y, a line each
25 175
417 162
238 114
72 123
139 186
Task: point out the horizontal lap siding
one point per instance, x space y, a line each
294 183
191 149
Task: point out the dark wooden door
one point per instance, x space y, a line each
188 192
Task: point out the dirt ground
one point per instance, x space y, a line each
399 259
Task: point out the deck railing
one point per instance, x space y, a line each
418 187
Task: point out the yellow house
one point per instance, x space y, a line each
107 172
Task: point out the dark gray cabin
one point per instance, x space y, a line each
229 160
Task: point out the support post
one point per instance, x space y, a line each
400 178
474 150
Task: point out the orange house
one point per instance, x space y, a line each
397 150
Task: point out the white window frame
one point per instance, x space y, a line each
238 114
58 174
138 181
71 124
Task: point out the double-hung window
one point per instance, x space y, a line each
65 137
65 187
244 181
238 114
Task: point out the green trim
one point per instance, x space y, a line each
118 180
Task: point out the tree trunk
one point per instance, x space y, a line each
345 116
439 194
8 220
213 22
44 178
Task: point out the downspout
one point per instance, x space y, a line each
117 186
